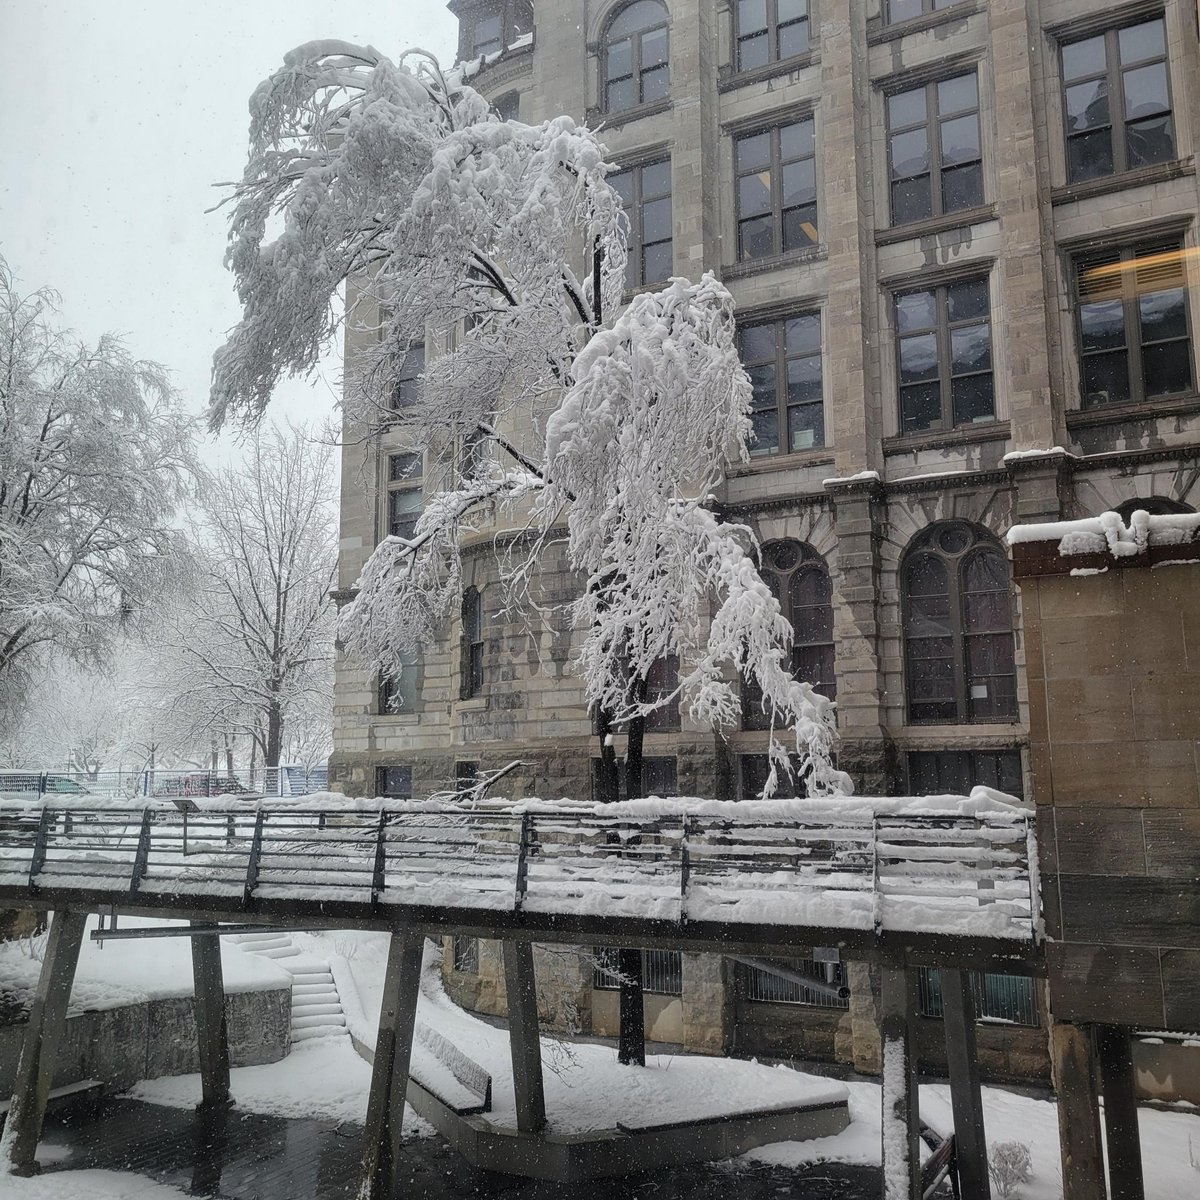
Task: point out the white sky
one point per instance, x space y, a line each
116 118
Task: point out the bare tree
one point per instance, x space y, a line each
93 455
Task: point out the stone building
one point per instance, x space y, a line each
960 238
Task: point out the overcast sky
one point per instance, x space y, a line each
116 118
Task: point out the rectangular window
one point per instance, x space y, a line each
394 782
1134 337
1117 101
645 192
659 776
466 776
956 772
906 10
766 987
935 161
661 682
755 768
398 694
466 954
487 34
944 356
1008 999
404 475
662 971
472 643
776 184
407 390
771 31
783 360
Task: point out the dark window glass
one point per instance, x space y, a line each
755 768
408 386
637 56
776 190
783 360
508 106
944 356
487 34
661 682
956 772
394 782
472 644
1134 338
1117 101
934 152
398 693
645 192
1010 999
906 10
958 642
403 494
770 31
659 776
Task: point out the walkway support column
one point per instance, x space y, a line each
901 1107
1125 1180
389 1073
212 1034
1072 1060
966 1099
39 1050
521 988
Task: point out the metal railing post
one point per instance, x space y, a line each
142 858
37 859
523 861
379 873
876 894
252 861
685 869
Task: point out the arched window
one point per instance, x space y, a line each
636 67
799 580
958 638
1156 506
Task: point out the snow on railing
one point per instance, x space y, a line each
948 872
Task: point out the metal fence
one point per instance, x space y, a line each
662 971
765 987
65 786
1007 999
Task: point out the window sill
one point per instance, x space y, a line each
788 66
988 735
817 456
1117 414
916 229
995 431
1069 193
474 704
408 717
882 33
777 262
600 120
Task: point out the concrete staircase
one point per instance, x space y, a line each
316 1006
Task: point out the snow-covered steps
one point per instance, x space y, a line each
316 1007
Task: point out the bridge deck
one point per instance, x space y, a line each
863 879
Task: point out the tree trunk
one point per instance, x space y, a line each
274 746
608 780
631 1046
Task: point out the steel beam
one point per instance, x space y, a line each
389 1073
212 1034
39 1049
1125 1179
521 989
966 1098
899 1097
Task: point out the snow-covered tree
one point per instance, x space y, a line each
93 454
399 183
248 648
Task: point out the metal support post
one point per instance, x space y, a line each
1072 1059
39 1049
966 1099
521 988
212 1034
901 1107
389 1074
1125 1179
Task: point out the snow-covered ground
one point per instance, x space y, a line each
88 1185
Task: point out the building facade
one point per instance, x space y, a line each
961 237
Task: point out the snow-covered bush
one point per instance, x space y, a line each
1009 1164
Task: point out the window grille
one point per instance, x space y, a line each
1005 999
764 987
771 31
662 971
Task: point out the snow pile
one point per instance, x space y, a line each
1108 533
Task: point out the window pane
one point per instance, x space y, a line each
967 300
957 95
799 183
792 10
1106 378
960 140
620 95
906 108
656 84
757 342
962 187
796 140
654 49
973 399
641 15
804 379
656 220
920 408
793 40
756 237
622 182
620 59
806 426
926 576
1090 156
657 262
754 194
912 200
403 466
902 10
916 310
754 152
1087 106
1163 315
1146 91
1150 141
656 178
986 571
752 15
802 334
753 52
928 616
1102 326
986 612
766 432
1167 368
1081 59
762 386
971 349
910 153
800 227
1142 41
918 358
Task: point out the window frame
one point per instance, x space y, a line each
1134 347
928 9
974 759
388 685
637 72
1118 121
772 29
381 774
778 211
634 214
472 644
397 402
783 406
943 331
407 484
955 564
936 169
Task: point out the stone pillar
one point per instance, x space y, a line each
1072 1061
864 1017
1125 1179
708 1003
